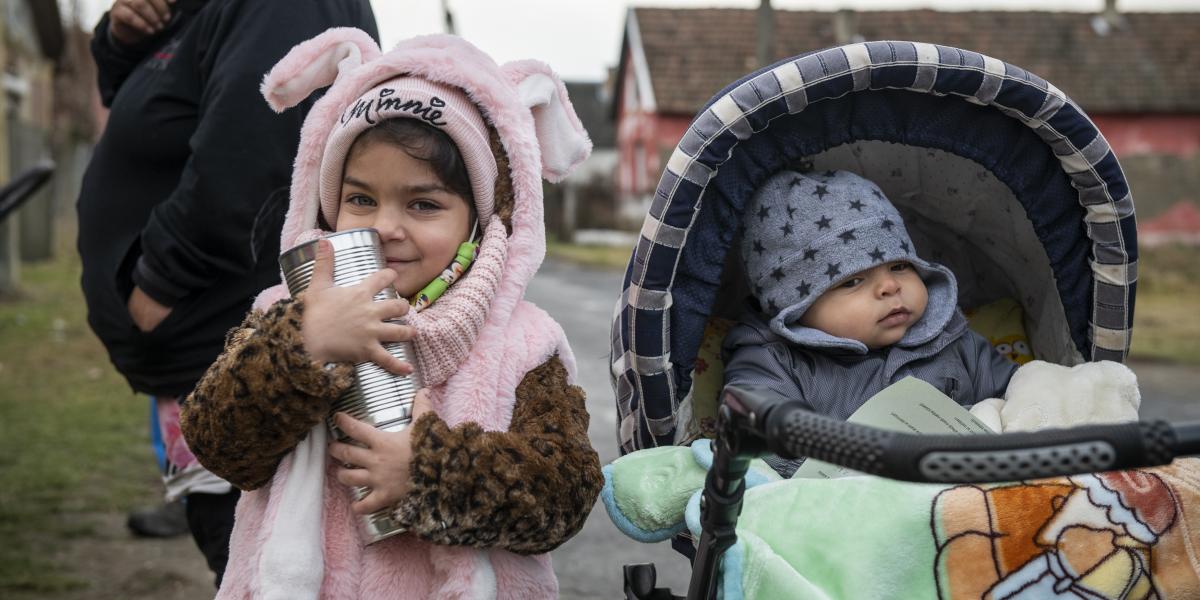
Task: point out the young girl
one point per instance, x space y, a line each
433 145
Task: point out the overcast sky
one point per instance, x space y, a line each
581 38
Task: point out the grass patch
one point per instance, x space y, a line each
73 437
609 257
1166 320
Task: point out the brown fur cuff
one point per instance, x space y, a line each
260 398
526 490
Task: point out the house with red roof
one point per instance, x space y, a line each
1136 74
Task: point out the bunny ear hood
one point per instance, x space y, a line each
315 64
561 138
524 102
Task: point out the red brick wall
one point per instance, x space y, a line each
1131 135
1160 155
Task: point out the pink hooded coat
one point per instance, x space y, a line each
479 359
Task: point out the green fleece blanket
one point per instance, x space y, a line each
1111 535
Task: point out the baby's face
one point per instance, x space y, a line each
876 307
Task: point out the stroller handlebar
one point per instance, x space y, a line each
792 432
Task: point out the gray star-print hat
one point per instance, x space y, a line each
806 232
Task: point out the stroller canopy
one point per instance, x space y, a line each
998 174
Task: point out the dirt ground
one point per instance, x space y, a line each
120 566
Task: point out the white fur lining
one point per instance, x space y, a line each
292 564
483 584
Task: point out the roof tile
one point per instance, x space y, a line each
1151 64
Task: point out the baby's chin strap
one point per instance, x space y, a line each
467 251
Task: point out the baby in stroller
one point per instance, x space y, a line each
1005 181
844 306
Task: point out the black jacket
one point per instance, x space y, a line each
186 190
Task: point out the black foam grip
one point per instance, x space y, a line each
793 432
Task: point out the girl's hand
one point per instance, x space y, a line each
380 461
345 324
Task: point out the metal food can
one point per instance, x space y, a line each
377 397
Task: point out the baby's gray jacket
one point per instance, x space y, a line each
959 362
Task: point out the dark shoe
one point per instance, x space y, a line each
163 521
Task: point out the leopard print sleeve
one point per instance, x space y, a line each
260 398
526 490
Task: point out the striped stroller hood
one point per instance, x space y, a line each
1014 128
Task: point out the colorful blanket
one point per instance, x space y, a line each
1111 535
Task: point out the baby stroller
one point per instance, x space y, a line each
999 176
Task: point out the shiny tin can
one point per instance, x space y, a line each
378 397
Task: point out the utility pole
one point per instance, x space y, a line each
845 26
9 267
764 30
449 18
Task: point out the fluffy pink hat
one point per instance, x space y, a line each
432 103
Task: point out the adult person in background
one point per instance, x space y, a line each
181 205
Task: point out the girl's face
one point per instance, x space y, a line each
420 221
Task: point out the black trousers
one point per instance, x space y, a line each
210 517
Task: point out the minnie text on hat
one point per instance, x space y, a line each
362 108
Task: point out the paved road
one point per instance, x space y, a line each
589 565
582 300
1169 391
